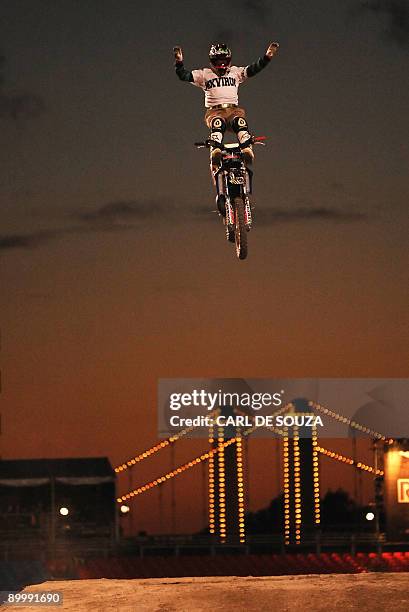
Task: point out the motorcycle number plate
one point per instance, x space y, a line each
236 179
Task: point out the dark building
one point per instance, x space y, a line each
52 497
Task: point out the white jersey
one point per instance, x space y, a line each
220 90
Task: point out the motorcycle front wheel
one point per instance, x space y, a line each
240 228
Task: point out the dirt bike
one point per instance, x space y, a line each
233 181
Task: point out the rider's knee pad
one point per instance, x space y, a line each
217 127
239 124
241 128
218 124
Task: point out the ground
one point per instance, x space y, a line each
329 593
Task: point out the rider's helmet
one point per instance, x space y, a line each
220 58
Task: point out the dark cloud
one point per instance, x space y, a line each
396 13
26 241
123 213
111 217
39 239
273 215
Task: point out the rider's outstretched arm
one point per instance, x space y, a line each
262 62
183 74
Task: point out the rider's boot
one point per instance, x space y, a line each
215 156
248 153
215 149
215 161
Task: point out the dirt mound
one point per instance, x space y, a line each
344 592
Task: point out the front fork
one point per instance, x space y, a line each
229 212
222 187
247 213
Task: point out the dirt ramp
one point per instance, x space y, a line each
316 593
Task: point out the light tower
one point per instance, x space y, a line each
301 479
226 483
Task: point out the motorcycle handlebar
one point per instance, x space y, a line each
206 143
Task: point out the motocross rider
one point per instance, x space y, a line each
220 83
